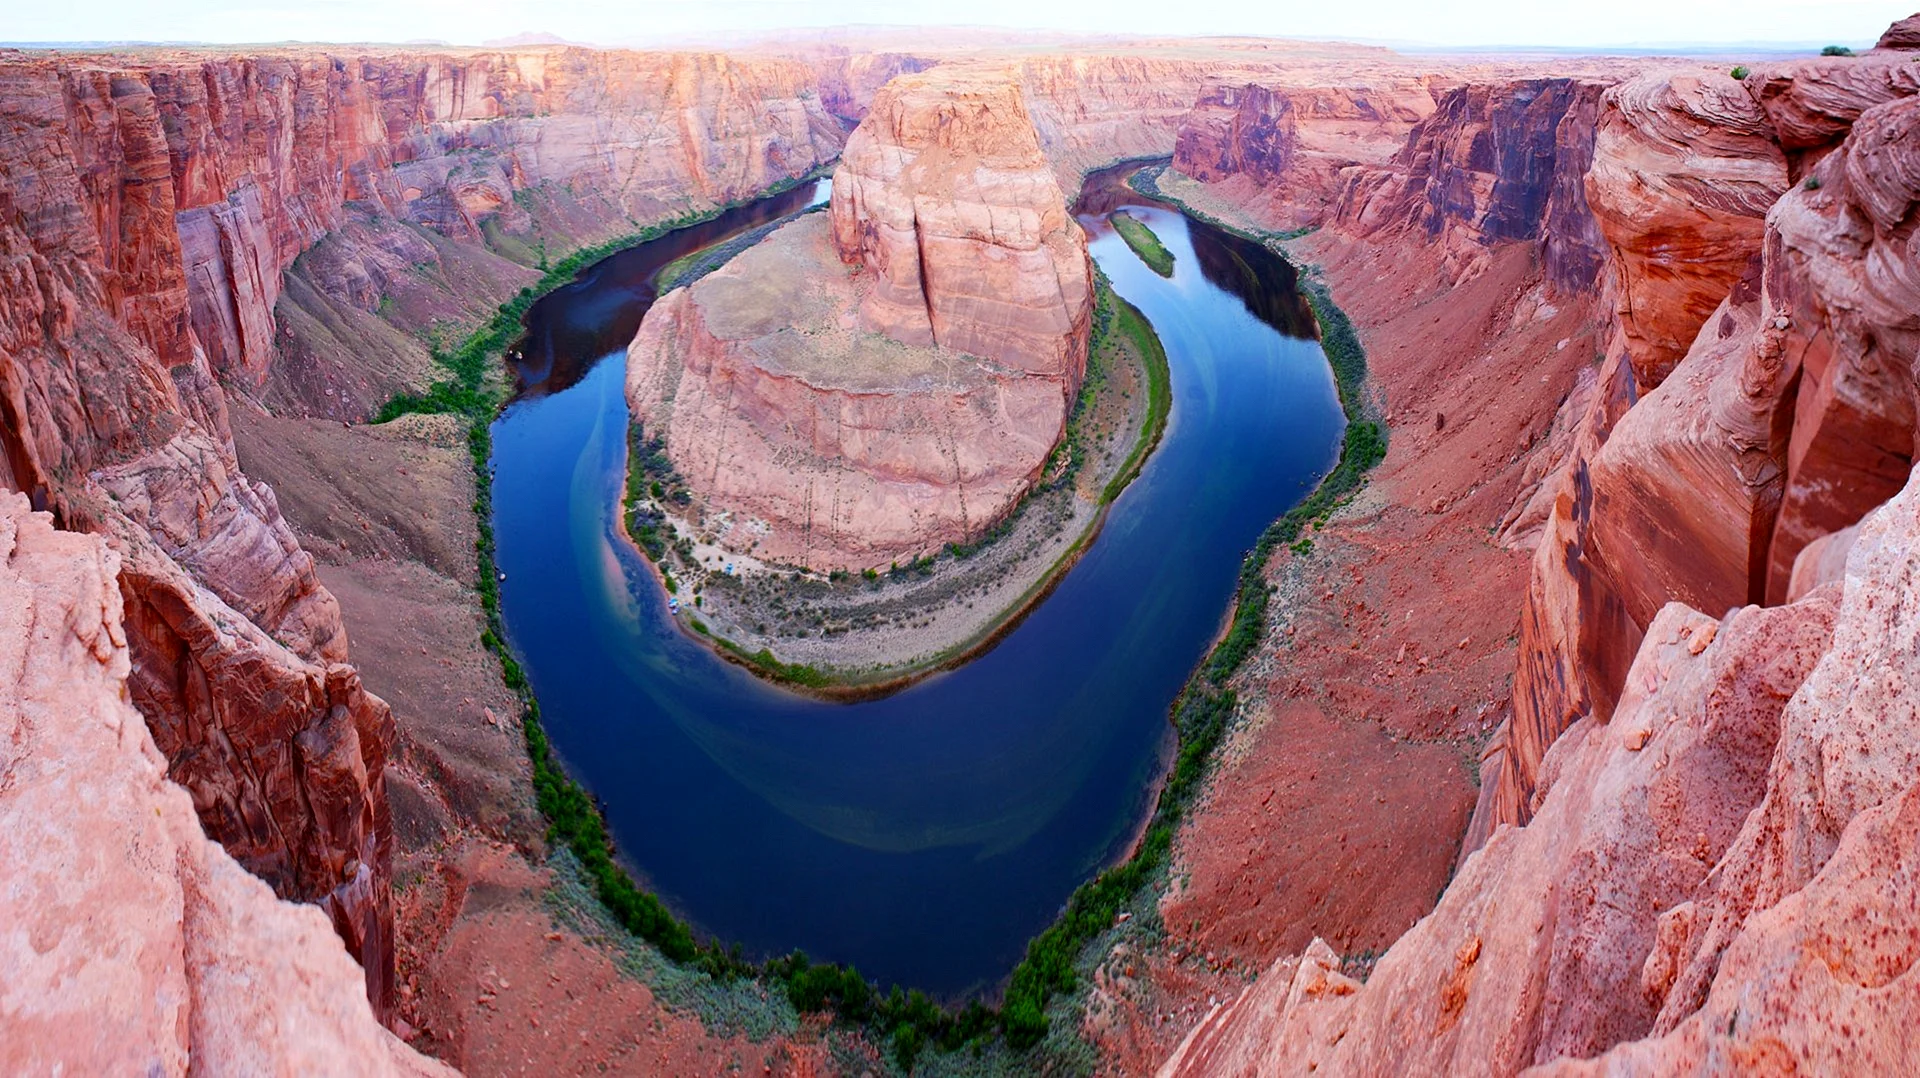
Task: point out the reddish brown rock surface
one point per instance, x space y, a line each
945 200
1281 152
133 942
1712 875
861 389
148 209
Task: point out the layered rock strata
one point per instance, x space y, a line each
865 387
1796 410
133 942
1282 151
151 211
1714 869
1494 163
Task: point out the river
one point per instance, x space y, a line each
924 837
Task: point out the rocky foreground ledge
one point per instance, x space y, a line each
132 943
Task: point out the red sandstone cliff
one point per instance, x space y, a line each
1281 152
861 389
944 197
1713 873
134 943
148 210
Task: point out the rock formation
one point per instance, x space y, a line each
133 942
1713 869
1794 418
1283 151
149 209
944 198
861 390
1494 163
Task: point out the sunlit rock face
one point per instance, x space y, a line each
868 385
944 197
135 944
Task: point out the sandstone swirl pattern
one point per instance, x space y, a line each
860 391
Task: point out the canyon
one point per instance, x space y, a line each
1580 739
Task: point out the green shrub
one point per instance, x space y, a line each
1836 50
1740 72
1144 242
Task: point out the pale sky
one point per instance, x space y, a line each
1556 23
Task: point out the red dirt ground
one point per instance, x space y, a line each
1344 791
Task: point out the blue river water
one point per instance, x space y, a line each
926 836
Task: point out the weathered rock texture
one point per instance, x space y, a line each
132 942
151 210
1719 877
1714 872
1494 163
864 388
945 199
1790 414
1283 151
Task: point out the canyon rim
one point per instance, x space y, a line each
1562 722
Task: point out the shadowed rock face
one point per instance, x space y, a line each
1494 163
136 945
150 211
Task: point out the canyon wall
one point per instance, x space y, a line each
1493 163
1795 414
133 942
944 197
1710 748
866 386
151 211
1281 152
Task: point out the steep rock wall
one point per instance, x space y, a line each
945 198
1284 150
151 210
1795 413
864 387
1714 872
134 943
1494 163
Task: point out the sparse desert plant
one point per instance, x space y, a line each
1836 50
1740 72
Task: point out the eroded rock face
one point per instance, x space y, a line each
809 441
1789 417
1286 148
1714 872
1685 168
1719 877
133 942
864 387
151 210
1536 950
1494 163
945 198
